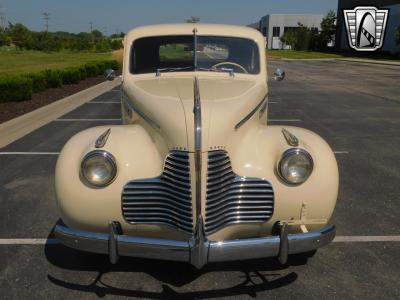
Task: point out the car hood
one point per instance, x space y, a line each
169 101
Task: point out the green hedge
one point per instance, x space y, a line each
115 65
83 73
71 75
21 87
15 88
92 69
39 81
54 78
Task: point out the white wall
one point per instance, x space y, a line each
283 21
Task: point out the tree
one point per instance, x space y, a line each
4 38
117 35
116 44
303 37
193 19
23 38
288 38
298 38
82 42
97 34
20 35
328 29
45 41
103 45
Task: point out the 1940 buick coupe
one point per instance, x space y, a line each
195 174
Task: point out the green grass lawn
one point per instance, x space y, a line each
16 62
300 54
176 52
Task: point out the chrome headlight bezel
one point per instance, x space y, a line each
285 156
109 158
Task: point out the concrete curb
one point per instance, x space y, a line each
16 128
356 60
370 61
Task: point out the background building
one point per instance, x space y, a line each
273 26
255 25
393 21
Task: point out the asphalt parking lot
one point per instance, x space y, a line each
355 107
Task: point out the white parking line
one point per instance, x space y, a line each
85 120
272 102
28 241
367 238
284 120
341 152
29 153
104 102
338 239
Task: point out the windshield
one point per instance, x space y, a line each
176 53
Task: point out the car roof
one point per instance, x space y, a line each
187 29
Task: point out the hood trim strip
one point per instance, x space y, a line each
246 118
129 104
197 145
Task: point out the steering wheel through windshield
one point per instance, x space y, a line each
230 63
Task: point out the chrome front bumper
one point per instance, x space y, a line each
198 251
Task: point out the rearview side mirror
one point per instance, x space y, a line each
279 74
110 74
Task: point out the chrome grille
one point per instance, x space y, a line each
233 199
163 200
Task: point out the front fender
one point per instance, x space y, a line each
137 157
257 153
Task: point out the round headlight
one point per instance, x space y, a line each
295 166
98 169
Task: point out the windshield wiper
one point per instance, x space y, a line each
172 69
159 71
226 70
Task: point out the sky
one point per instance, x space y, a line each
121 15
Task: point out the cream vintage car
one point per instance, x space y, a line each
195 174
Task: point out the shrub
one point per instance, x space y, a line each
39 82
15 88
115 65
95 68
92 69
71 75
102 66
18 88
82 72
54 78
